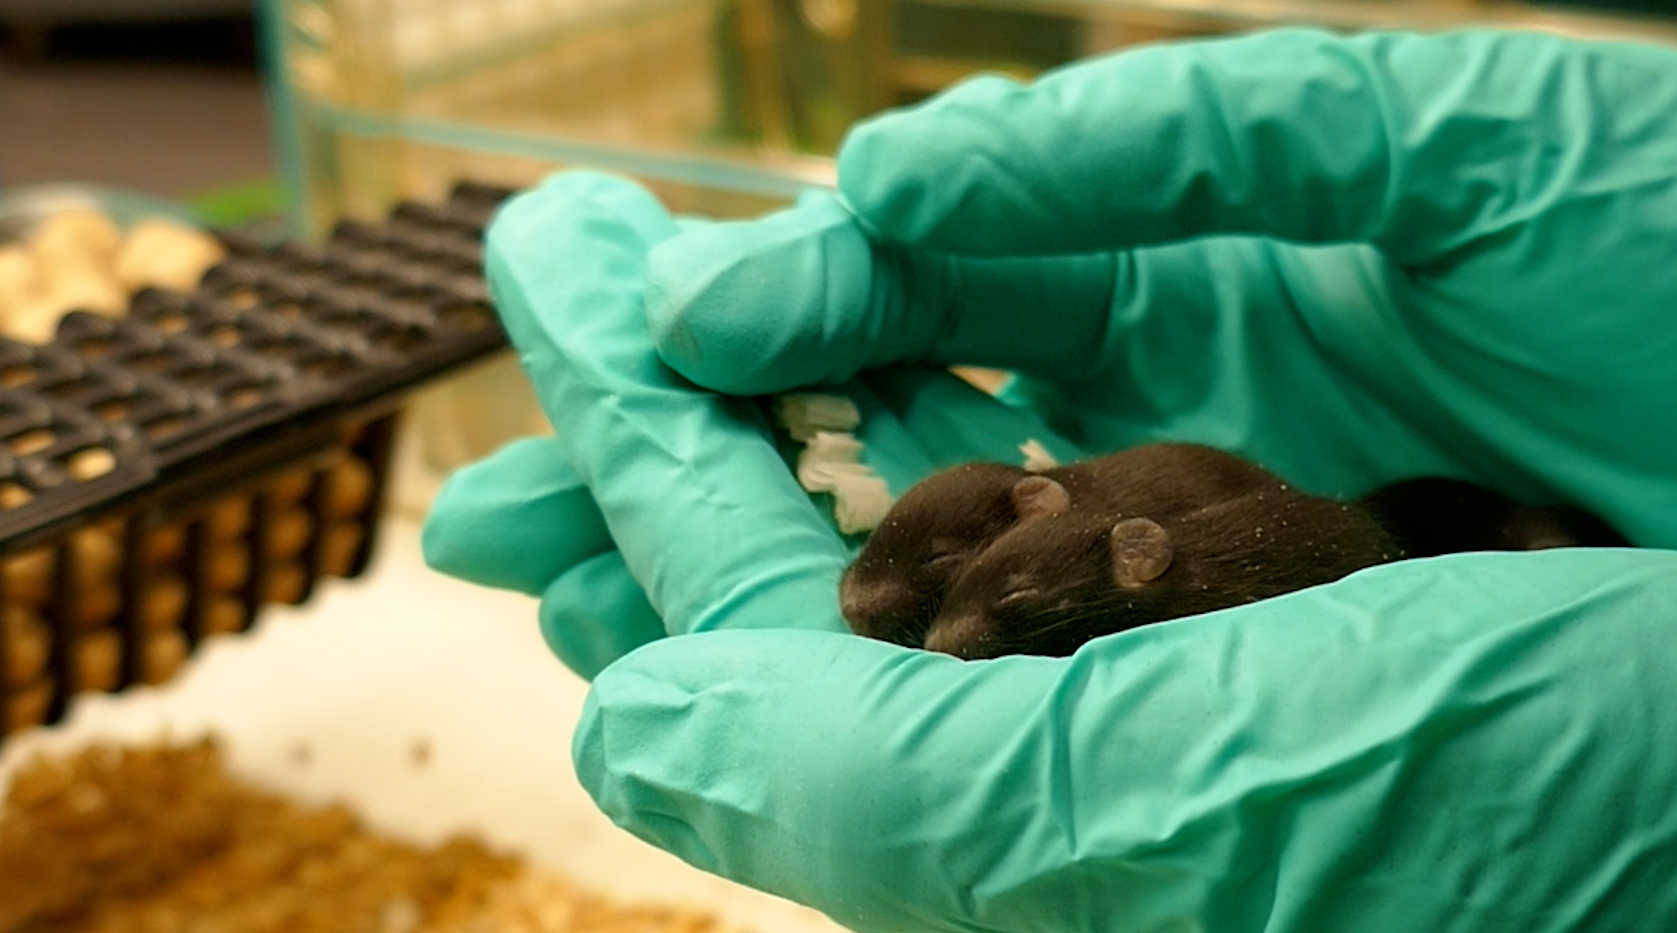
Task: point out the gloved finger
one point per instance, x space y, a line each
1417 144
595 613
514 520
804 297
1176 342
1425 745
695 495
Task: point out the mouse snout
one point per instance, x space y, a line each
967 636
871 606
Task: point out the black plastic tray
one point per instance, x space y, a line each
165 474
274 340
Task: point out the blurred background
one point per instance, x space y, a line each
160 97
166 96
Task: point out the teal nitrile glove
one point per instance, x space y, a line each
693 488
1465 743
1351 259
1474 742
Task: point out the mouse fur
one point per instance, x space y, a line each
896 584
1053 581
986 559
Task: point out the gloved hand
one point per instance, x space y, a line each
668 462
1470 742
1352 260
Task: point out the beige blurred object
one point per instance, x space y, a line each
28 576
229 519
163 605
75 254
92 463
287 533
79 259
99 660
97 604
286 583
224 615
14 495
339 547
20 281
29 705
32 321
27 646
98 553
159 253
77 236
228 568
349 488
83 288
163 655
290 488
165 545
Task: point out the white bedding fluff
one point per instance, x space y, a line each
803 414
831 461
1037 457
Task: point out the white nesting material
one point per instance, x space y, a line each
860 502
1037 457
831 461
805 413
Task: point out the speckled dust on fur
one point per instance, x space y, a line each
1183 486
987 558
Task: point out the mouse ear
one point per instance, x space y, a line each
1141 552
1035 496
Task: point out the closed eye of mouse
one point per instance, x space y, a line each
895 585
1041 563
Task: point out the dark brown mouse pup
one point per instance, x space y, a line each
1172 530
897 583
987 560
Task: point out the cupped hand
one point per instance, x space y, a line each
1470 743
1463 743
659 507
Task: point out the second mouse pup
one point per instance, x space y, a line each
985 559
